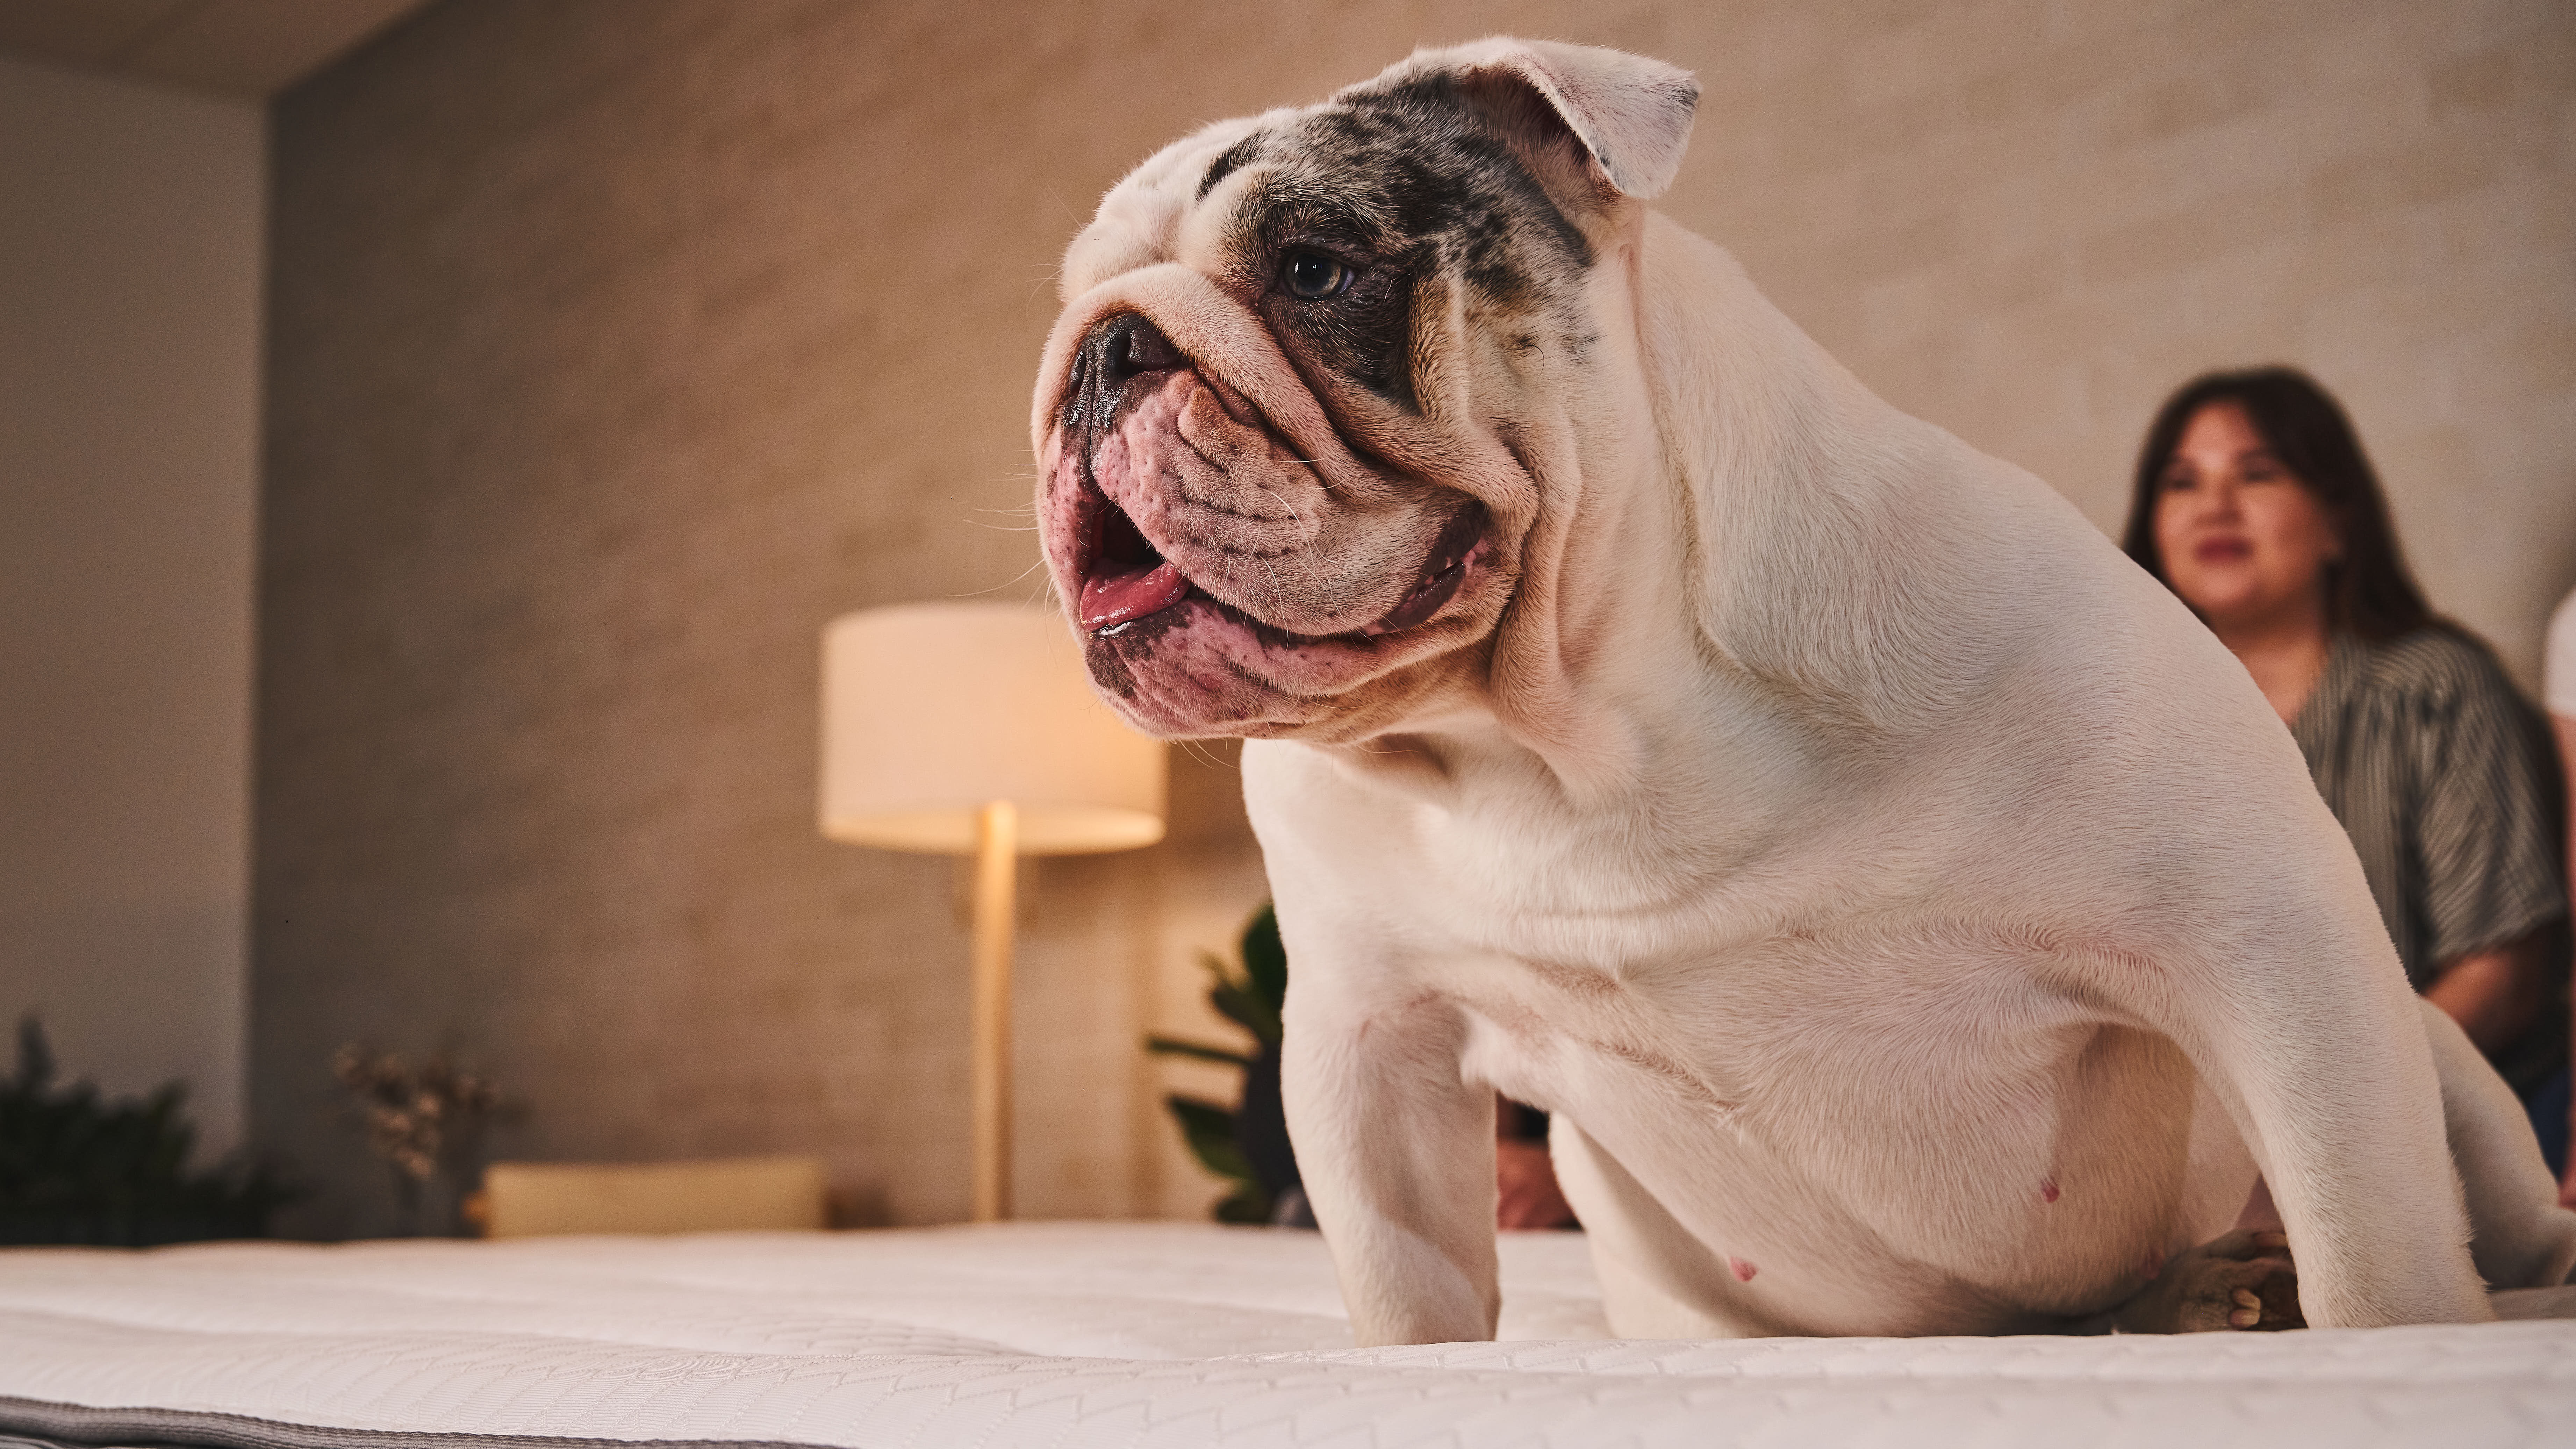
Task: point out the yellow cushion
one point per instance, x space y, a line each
530 1199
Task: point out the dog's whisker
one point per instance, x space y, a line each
1284 503
1006 583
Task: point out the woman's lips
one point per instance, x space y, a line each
2221 550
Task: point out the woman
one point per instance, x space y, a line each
2552 1113
2255 504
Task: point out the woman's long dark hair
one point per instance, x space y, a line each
2369 592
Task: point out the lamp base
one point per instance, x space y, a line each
997 831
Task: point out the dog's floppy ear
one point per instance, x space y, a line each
1629 114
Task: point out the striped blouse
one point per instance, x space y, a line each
2441 773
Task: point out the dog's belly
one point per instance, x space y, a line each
1897 1106
1792 1150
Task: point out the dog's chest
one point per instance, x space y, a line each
1561 1035
1757 1033
1710 954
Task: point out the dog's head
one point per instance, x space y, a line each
1315 373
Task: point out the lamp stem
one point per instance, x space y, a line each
997 843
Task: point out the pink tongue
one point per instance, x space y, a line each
1109 600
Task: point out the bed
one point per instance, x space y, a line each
1097 1334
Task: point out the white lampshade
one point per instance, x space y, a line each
932 710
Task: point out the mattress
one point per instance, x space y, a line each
1099 1334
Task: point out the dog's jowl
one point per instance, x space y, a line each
1915 920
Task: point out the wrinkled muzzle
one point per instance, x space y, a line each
1229 559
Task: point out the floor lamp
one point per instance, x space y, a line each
971 729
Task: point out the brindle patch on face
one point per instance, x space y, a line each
1228 162
1400 186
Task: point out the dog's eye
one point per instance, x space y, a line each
1314 276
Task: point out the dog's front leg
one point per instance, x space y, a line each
1397 1153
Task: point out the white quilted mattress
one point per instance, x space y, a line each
1099 1334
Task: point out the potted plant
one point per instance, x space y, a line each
1245 1144
77 1168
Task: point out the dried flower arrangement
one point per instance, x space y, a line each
427 1123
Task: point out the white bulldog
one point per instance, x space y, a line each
1915 919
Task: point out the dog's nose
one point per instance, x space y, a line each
1132 345
1122 347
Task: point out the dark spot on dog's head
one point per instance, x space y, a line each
1403 186
1475 177
1228 162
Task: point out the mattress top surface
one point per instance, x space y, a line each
1127 1334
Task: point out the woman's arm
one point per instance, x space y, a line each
2566 730
2485 840
2494 994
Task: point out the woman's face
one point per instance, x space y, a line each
2243 540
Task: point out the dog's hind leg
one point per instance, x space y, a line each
2244 1280
2519 1236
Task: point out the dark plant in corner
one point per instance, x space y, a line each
78 1169
427 1123
1246 1144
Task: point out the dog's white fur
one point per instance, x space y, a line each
1916 919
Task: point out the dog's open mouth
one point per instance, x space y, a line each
1125 578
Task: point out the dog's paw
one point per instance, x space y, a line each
2243 1281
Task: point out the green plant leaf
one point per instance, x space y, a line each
1209 1129
1171 1046
1246 1204
35 1055
1250 995
1241 1006
78 1168
1265 958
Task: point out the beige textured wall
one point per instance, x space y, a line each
617 344
2029 221
129 409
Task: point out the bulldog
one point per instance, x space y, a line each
1916 921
